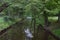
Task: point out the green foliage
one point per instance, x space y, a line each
34 8
54 7
57 32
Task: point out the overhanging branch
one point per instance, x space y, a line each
5 5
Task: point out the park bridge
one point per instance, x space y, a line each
15 31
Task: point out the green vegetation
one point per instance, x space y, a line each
37 9
57 32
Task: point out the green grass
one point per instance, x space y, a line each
52 19
4 24
57 32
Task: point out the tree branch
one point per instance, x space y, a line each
48 31
5 5
6 29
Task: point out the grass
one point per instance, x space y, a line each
4 24
57 32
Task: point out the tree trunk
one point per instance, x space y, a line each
46 25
